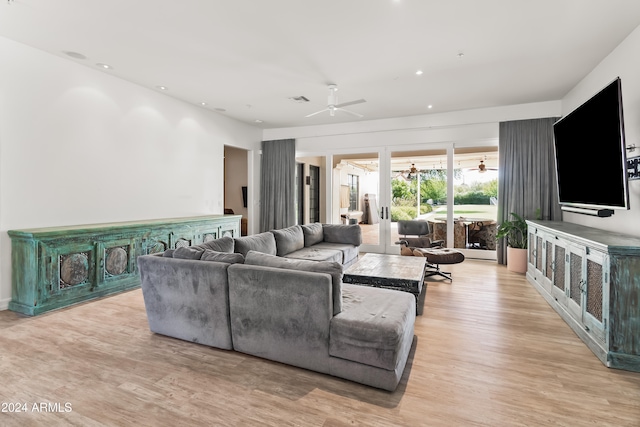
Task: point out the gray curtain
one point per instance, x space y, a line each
527 180
277 184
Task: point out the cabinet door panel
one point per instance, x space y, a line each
545 259
229 229
69 271
596 294
558 289
182 239
116 260
155 243
208 234
576 281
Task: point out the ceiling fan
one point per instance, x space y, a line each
333 106
409 174
483 168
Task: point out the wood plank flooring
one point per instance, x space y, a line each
488 351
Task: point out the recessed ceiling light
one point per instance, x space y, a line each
429 106
204 104
162 87
419 73
105 66
75 55
460 55
259 121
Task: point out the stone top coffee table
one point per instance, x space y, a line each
402 273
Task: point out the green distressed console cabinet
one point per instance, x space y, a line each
59 266
591 278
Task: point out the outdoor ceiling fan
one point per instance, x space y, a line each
333 106
410 173
483 168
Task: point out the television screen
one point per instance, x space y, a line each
590 153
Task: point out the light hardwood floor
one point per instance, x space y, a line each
488 351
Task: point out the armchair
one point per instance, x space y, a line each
422 245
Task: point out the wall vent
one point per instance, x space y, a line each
299 99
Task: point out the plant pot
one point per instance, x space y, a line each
516 260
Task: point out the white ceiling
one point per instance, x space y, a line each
249 57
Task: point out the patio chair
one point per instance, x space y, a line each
423 246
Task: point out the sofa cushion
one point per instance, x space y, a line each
168 253
332 268
223 244
312 233
342 233
347 251
315 254
188 252
263 242
373 325
288 239
209 255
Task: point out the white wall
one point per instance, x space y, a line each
79 146
624 62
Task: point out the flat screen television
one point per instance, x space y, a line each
590 155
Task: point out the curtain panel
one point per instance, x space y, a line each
277 184
527 182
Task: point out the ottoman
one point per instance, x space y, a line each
437 256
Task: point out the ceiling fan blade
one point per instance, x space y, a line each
350 112
317 112
344 104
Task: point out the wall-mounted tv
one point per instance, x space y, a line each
591 154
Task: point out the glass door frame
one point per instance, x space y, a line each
395 150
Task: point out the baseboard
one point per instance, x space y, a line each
4 304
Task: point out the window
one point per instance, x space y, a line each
354 191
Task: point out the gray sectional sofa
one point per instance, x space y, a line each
238 294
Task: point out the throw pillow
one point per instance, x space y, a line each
168 253
312 234
210 255
288 240
332 268
188 252
263 242
223 244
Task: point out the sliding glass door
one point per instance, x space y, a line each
453 189
475 200
418 189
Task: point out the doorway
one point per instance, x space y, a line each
314 194
235 183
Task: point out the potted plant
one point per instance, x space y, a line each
516 234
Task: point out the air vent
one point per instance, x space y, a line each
299 99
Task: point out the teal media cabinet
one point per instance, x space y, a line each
591 278
59 266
